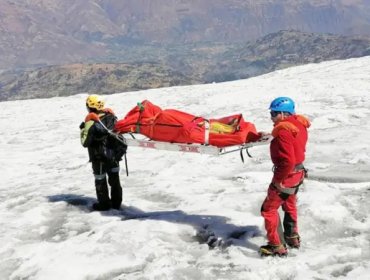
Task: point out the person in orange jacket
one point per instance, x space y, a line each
287 151
105 152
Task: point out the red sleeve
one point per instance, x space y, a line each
92 116
283 155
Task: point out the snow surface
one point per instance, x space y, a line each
47 231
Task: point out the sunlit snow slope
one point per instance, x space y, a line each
48 232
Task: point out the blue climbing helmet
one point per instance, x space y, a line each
283 104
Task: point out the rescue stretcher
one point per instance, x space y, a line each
148 126
190 147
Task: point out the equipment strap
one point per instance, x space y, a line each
289 191
138 124
206 132
300 167
120 138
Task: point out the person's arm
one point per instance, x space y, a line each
88 129
86 133
284 160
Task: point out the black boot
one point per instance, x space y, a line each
99 207
273 250
293 241
116 190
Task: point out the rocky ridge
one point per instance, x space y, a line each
183 65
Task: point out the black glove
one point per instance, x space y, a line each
82 125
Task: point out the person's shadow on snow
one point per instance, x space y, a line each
211 229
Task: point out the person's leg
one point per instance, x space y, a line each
269 211
114 182
290 216
291 221
101 187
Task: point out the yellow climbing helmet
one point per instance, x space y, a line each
95 101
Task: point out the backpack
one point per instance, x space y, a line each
114 145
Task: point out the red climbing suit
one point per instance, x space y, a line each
287 151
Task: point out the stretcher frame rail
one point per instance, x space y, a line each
191 147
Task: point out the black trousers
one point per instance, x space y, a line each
101 169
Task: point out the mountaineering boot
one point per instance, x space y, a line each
273 250
293 240
99 207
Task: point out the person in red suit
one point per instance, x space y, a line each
287 151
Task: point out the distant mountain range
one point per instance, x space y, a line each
102 78
54 32
182 64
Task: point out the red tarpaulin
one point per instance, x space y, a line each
179 127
